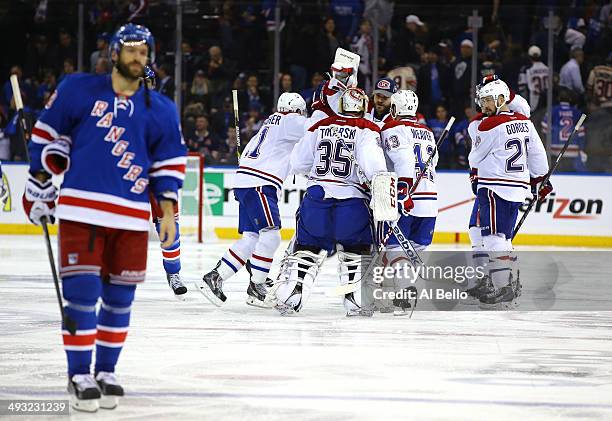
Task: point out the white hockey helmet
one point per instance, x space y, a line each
404 104
291 102
494 89
353 100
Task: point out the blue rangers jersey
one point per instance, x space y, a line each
119 149
564 118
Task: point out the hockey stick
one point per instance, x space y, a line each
69 324
407 247
393 227
22 124
550 172
236 122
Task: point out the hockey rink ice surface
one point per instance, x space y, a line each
196 361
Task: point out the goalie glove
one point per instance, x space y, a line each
405 202
39 200
56 156
540 190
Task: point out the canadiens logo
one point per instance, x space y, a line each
383 84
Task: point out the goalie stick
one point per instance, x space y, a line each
550 172
69 323
236 122
403 241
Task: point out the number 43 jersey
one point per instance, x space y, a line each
408 145
265 159
507 151
326 161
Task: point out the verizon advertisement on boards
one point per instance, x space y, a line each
581 205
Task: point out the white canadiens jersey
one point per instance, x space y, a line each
535 78
408 145
326 162
507 151
518 104
264 160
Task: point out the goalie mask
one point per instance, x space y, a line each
404 104
290 102
353 100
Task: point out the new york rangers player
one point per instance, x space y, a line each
104 133
258 187
510 159
335 209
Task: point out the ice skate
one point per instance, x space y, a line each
405 306
110 389
256 293
210 286
482 287
84 393
176 284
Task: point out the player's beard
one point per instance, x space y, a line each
126 71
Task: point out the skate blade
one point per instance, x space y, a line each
109 401
401 313
206 292
505 306
470 301
84 405
258 303
285 310
180 297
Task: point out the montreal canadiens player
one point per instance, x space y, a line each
335 209
381 101
258 184
510 158
408 145
518 104
105 135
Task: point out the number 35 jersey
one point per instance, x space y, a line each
408 145
326 161
265 159
507 151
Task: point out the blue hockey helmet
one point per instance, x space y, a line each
131 34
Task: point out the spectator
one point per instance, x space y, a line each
68 69
103 66
201 139
434 82
315 81
166 83
45 89
363 44
191 61
253 123
447 56
286 83
570 76
346 14
326 45
460 137
224 118
199 87
227 154
437 125
404 49
533 79
254 94
67 49
219 74
101 51
564 118
462 78
599 85
38 58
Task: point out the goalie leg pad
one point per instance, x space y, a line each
293 289
351 260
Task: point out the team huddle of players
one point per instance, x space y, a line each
122 157
507 160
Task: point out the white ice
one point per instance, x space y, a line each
195 361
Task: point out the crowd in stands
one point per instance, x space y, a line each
429 52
